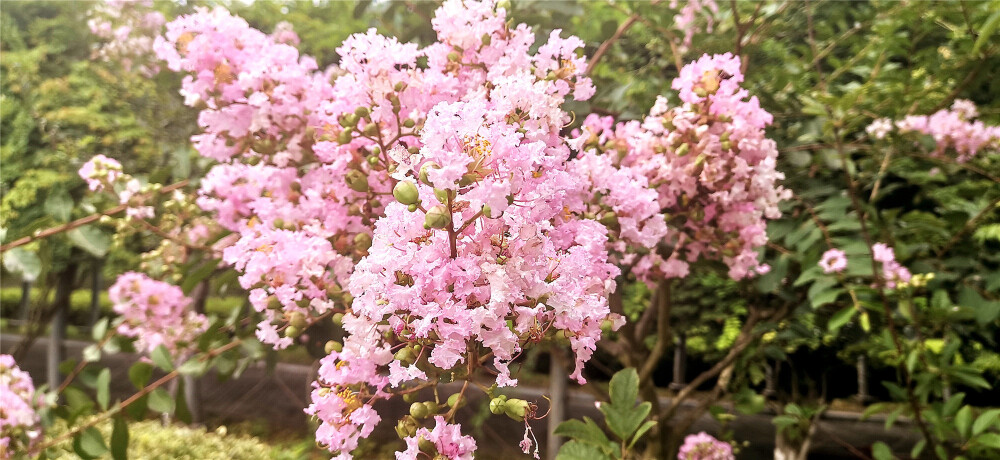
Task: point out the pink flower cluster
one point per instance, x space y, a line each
429 195
711 166
127 28
686 19
833 261
447 440
20 425
892 271
155 313
952 129
101 172
703 446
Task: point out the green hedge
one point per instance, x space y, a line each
10 301
149 440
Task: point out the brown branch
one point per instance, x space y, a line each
80 222
625 26
143 392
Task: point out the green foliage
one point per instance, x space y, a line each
623 416
150 440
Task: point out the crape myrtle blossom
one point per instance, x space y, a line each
155 313
100 172
833 261
20 425
126 29
892 272
952 129
425 198
703 446
710 164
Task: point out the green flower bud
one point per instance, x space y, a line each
426 446
292 332
424 169
442 195
412 208
404 355
683 149
610 220
487 39
338 319
498 404
419 410
362 112
332 346
406 192
399 87
274 303
516 409
409 123
344 137
363 241
357 181
370 130
298 319
431 406
453 56
406 427
487 211
437 217
373 160
456 400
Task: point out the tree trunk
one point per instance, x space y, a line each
60 309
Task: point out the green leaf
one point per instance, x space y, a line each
641 431
161 357
99 329
963 421
989 440
918 448
89 444
194 366
575 450
139 374
839 319
193 277
103 387
986 31
90 239
23 262
160 401
986 420
586 431
119 439
58 205
624 388
881 451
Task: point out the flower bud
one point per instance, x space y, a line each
399 87
332 346
610 220
498 404
406 192
363 241
412 208
456 400
487 211
362 112
442 195
370 130
683 149
419 410
344 137
292 332
404 355
424 169
357 181
409 123
297 319
487 39
406 427
516 409
338 319
453 57
437 217
373 160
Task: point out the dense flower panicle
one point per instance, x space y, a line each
952 129
892 272
446 439
20 425
100 172
126 29
833 261
155 313
686 18
710 164
703 446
